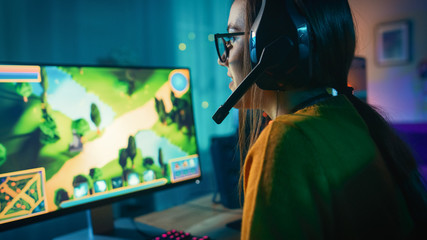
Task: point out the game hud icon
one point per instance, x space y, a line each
133 179
117 182
81 190
100 186
22 194
149 175
184 168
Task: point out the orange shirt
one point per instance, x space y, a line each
317 174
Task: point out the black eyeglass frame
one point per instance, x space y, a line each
221 36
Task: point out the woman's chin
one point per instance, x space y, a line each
231 85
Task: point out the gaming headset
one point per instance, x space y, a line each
280 52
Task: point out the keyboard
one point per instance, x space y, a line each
179 235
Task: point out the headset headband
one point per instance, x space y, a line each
278 19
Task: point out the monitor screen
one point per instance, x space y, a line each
75 135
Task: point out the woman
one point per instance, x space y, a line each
325 166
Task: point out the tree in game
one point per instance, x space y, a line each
161 110
180 114
123 158
131 149
161 157
3 154
130 79
131 88
49 131
183 116
95 173
148 162
79 179
173 98
44 82
177 119
95 116
162 164
60 196
81 126
171 116
156 105
24 89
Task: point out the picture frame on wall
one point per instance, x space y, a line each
393 45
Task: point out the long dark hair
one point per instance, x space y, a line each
334 44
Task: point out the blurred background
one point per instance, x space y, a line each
180 33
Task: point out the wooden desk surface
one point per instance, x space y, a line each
199 217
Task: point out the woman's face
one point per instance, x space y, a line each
234 63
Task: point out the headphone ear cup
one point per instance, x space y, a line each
277 59
291 68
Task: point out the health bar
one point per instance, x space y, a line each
16 73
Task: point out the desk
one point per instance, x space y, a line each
198 217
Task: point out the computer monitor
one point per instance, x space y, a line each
76 137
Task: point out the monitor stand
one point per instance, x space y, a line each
102 226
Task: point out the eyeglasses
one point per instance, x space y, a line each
223 43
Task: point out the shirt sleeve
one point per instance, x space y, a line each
286 193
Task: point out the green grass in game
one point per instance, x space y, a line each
112 85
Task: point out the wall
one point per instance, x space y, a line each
397 90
